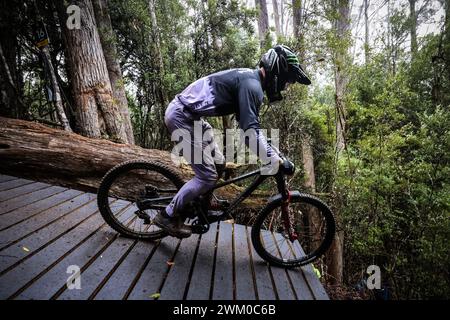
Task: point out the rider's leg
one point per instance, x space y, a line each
175 119
202 162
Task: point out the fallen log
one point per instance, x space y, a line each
34 151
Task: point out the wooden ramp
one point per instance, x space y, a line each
45 229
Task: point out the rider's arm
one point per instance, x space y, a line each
250 98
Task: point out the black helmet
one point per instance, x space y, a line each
281 66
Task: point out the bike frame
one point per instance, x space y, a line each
279 177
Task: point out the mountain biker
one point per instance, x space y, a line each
234 91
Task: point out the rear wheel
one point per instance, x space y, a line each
309 236
128 184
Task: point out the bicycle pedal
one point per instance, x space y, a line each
214 213
143 215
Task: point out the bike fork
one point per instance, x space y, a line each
286 198
286 220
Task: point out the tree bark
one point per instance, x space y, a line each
90 80
276 17
108 40
34 151
263 22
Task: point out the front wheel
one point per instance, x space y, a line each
295 236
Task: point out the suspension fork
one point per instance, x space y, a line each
286 199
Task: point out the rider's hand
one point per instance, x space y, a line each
288 167
272 167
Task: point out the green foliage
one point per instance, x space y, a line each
396 203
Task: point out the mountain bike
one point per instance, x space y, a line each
292 229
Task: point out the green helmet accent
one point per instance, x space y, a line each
292 58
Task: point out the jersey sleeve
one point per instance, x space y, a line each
250 99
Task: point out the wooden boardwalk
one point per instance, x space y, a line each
44 229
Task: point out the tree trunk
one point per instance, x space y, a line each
342 29
56 98
342 33
308 164
413 26
159 69
11 104
108 40
297 20
446 38
282 17
306 139
276 17
263 22
307 151
336 259
366 24
34 151
90 80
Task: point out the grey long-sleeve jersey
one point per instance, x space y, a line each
234 91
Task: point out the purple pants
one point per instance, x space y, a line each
201 160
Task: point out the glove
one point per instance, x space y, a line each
288 167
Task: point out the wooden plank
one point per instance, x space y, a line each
298 280
314 283
200 282
25 228
23 200
118 284
177 279
266 291
36 208
11 184
245 287
4 177
81 246
280 277
155 271
223 275
44 236
98 270
25 189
